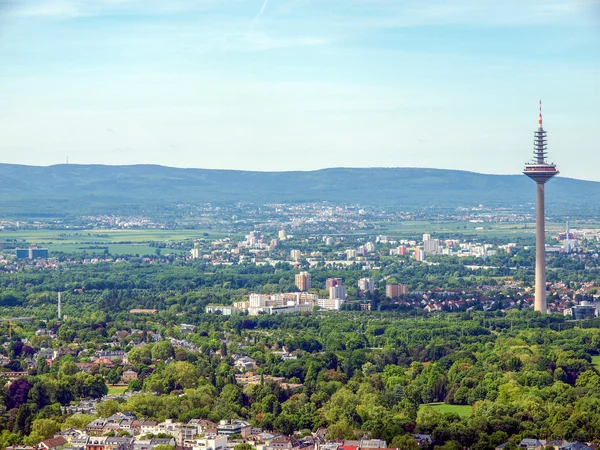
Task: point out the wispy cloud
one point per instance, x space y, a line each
262 10
368 12
83 8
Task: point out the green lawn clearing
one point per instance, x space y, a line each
116 389
461 410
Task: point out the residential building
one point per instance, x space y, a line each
149 427
259 300
366 284
419 254
303 281
295 255
112 355
229 427
244 363
337 292
128 376
333 304
96 443
395 290
56 443
283 443
226 310
119 443
208 442
333 282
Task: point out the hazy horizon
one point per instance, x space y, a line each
286 170
287 85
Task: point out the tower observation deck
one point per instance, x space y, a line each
540 171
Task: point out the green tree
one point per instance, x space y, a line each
405 442
45 427
108 408
163 351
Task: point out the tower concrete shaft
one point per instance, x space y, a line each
540 171
540 251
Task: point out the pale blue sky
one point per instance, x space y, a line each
300 84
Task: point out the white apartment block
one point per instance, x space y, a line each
328 303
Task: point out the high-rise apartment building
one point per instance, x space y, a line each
430 246
395 290
420 254
366 284
337 292
282 236
303 281
295 254
333 282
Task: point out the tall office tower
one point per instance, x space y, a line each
540 171
303 281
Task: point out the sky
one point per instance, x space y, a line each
276 85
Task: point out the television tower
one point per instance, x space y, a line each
540 171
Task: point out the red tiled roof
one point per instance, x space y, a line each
54 442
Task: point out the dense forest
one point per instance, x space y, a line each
521 374
70 189
509 374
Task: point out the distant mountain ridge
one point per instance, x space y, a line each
72 188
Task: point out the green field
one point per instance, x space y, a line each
116 389
96 241
461 410
596 362
107 235
465 229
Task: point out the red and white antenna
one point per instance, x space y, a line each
540 116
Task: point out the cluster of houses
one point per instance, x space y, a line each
124 431
540 444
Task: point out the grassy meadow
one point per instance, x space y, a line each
461 410
94 242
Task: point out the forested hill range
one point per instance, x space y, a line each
104 189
